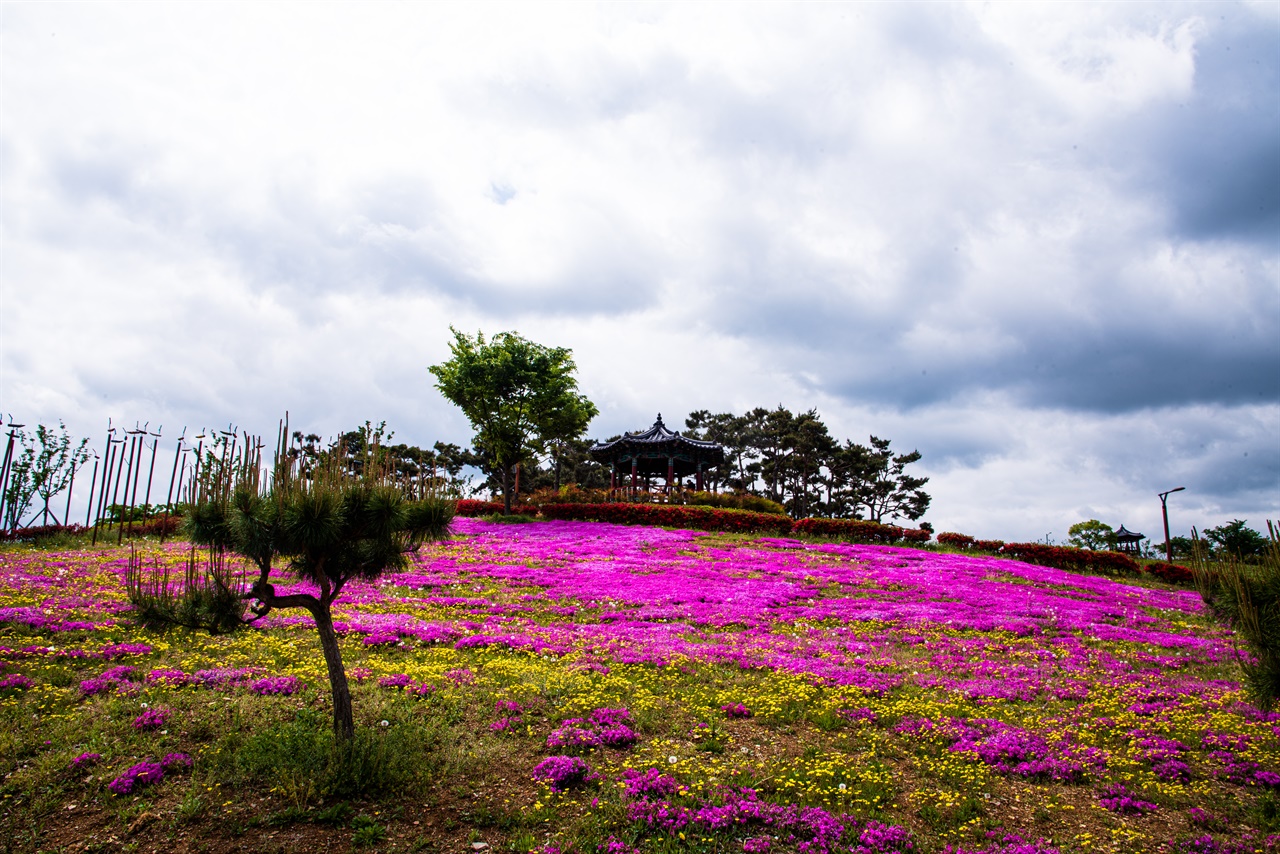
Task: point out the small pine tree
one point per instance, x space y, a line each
333 523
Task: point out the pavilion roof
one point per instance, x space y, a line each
1124 534
658 441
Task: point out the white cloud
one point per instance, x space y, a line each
1018 238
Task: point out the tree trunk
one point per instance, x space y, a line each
506 491
344 726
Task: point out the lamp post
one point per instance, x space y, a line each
1164 510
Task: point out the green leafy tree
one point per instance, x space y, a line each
21 487
519 396
1093 535
1235 540
337 523
55 464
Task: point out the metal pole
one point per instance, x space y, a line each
130 475
1164 511
88 510
155 444
7 468
71 487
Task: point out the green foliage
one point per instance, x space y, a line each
1235 540
332 521
519 396
1093 535
210 597
1246 597
304 760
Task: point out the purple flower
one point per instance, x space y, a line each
561 772
1118 799
15 682
176 762
85 760
649 784
282 685
736 710
755 845
398 680
151 719
139 776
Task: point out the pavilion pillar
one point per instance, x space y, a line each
699 478
634 472
671 473
613 476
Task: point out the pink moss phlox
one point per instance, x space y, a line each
139 776
276 685
561 772
85 760
151 719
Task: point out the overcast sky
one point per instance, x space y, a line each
1039 244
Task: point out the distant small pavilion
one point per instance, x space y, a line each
657 451
1129 542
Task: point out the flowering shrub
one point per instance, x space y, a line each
151 719
176 762
561 772
1119 799
648 784
139 776
736 710
15 682
85 760
281 685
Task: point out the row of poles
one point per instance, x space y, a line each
130 453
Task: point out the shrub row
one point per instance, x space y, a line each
471 507
1170 572
41 532
672 515
1065 557
859 531
968 543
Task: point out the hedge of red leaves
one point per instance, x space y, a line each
859 531
471 507
960 541
39 532
1065 557
1170 572
968 543
672 516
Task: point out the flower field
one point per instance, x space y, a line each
577 686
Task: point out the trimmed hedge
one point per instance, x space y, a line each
672 516
471 507
1170 572
40 532
960 541
1079 560
859 531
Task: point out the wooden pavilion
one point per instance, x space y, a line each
657 451
1127 541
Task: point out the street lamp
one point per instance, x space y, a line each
1164 509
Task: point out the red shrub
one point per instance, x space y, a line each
859 531
988 545
672 516
471 507
1065 557
960 541
40 532
1170 572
